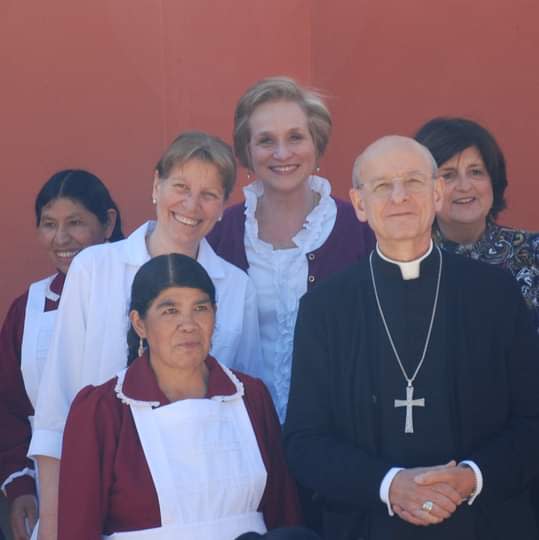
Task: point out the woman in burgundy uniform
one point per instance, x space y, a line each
177 445
73 210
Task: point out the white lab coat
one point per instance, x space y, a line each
89 343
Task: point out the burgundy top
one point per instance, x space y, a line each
349 240
105 482
15 407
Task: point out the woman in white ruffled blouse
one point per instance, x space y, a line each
290 233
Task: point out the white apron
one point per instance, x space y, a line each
37 333
38 328
205 465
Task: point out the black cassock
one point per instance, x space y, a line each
480 383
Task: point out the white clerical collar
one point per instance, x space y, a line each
409 269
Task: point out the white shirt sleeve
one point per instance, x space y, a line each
62 373
478 479
385 485
249 354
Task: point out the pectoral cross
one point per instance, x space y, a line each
409 402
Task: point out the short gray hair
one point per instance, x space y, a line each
204 147
358 183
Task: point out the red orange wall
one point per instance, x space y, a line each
105 85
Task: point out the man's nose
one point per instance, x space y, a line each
398 192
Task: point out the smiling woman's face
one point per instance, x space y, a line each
467 194
66 227
281 148
189 202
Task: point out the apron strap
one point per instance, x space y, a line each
34 321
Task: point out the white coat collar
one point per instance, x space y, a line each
135 252
212 263
133 249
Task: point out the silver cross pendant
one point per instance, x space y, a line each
409 402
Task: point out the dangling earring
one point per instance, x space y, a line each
317 169
220 218
140 346
248 175
154 201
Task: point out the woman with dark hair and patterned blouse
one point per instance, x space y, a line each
473 168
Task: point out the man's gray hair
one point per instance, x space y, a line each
356 179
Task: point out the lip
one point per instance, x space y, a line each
401 214
184 220
66 253
188 344
464 200
284 170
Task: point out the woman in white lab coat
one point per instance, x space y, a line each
192 181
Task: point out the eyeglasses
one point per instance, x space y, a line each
383 187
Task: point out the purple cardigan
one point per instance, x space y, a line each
348 241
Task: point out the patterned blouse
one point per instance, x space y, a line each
512 249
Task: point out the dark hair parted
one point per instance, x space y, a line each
158 274
446 137
280 89
204 147
84 188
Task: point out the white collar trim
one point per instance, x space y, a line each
308 235
126 400
409 269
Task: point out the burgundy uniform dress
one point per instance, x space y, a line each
106 483
16 470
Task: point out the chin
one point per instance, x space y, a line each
467 219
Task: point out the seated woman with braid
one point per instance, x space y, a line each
177 445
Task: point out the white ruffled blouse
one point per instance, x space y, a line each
280 278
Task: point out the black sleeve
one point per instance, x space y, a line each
510 459
320 457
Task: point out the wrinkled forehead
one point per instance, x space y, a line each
398 161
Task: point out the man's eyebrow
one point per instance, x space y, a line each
406 173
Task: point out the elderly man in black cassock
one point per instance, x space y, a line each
414 402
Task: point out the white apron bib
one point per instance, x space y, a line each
37 333
38 328
206 467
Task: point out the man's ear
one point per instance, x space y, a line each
439 186
358 203
138 323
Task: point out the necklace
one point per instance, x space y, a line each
409 402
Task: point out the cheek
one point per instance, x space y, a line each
207 325
89 236
488 194
258 157
309 152
45 238
446 197
213 210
